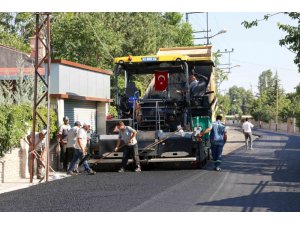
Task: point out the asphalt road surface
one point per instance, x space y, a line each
264 179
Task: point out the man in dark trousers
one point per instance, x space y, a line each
62 135
81 151
218 138
128 135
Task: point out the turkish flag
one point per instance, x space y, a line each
161 80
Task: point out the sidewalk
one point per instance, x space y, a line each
24 182
235 141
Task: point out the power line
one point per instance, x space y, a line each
102 43
206 31
264 65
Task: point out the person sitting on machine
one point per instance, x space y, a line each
198 84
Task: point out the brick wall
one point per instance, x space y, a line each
285 127
12 166
16 163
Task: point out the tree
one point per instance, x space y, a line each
241 100
20 24
224 104
220 74
270 91
15 30
12 40
292 40
96 38
293 109
13 126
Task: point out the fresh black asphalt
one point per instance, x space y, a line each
264 179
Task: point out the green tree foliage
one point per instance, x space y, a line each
20 24
16 98
241 100
293 109
223 104
270 90
16 121
220 75
12 40
292 38
13 125
96 38
15 30
20 90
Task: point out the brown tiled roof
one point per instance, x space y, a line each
81 66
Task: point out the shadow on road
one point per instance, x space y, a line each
261 201
275 157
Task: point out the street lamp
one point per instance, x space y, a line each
208 37
220 32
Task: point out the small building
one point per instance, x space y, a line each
80 92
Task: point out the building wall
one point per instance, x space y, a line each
11 170
16 163
284 127
54 80
102 109
79 82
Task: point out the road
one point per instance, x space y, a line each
264 179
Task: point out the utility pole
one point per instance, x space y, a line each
229 60
201 31
42 38
276 105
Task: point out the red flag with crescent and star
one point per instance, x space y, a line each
161 80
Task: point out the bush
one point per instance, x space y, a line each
16 121
13 125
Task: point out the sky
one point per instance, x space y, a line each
255 50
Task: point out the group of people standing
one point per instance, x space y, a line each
74 142
74 146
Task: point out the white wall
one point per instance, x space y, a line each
81 82
285 127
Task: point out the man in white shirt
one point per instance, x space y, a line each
71 141
80 150
247 131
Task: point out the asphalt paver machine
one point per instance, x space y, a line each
173 110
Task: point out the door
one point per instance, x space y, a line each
83 111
